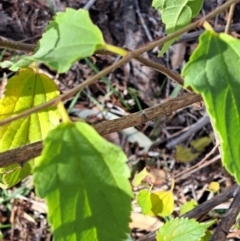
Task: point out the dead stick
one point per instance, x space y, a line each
228 219
33 150
17 45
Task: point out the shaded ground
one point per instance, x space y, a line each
128 23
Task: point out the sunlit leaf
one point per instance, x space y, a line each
6 64
207 236
139 177
24 91
182 229
195 5
69 37
15 174
162 203
185 154
188 206
144 201
176 14
213 71
214 187
201 143
84 180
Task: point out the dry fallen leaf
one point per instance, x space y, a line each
141 221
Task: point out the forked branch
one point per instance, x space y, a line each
124 60
33 150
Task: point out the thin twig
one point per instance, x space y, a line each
142 21
198 164
156 66
177 78
149 63
89 4
161 68
27 152
228 219
207 206
229 20
192 129
124 60
149 113
198 167
10 44
194 35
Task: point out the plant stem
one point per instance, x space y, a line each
172 185
33 150
122 61
9 44
208 27
161 68
230 15
63 112
115 50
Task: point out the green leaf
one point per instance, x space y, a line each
207 236
185 154
84 180
158 4
208 224
14 174
138 178
214 187
201 143
162 203
213 71
144 201
69 37
188 206
196 6
24 91
176 14
181 229
24 62
6 64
